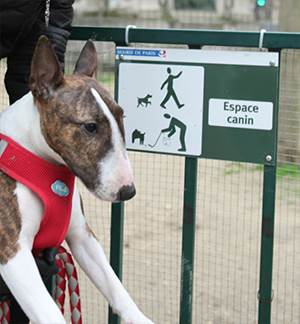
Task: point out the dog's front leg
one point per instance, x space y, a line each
24 281
91 258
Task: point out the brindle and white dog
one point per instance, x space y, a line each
70 121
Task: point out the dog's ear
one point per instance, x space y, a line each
87 62
46 73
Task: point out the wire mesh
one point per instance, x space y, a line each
228 242
286 278
3 95
153 224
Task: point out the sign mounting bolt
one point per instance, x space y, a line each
268 158
272 63
121 57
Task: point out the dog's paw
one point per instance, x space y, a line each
144 321
137 318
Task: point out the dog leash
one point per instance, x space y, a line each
5 313
156 140
67 271
67 268
47 13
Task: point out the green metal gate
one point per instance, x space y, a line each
194 39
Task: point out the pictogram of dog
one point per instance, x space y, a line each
74 126
138 135
145 101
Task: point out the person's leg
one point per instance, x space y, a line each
182 138
179 105
19 61
17 316
18 71
167 97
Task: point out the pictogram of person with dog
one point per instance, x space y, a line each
174 125
172 130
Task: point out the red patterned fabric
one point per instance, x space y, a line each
67 267
54 185
5 312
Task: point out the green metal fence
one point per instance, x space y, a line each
196 39
214 264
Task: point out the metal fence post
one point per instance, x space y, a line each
265 293
188 240
116 244
116 248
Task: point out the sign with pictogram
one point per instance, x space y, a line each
162 114
212 104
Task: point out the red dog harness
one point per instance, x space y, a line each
53 184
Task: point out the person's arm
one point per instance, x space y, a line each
178 75
164 84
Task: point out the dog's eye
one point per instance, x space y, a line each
90 127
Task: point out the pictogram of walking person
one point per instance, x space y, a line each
172 130
170 89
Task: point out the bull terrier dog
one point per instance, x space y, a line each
69 126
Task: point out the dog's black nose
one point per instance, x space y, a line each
126 192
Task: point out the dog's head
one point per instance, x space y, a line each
81 122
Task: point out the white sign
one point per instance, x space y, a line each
240 114
163 106
162 94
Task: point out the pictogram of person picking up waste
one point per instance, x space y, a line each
170 89
174 122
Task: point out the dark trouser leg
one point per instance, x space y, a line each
19 61
17 316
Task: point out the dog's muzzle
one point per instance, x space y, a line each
126 193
